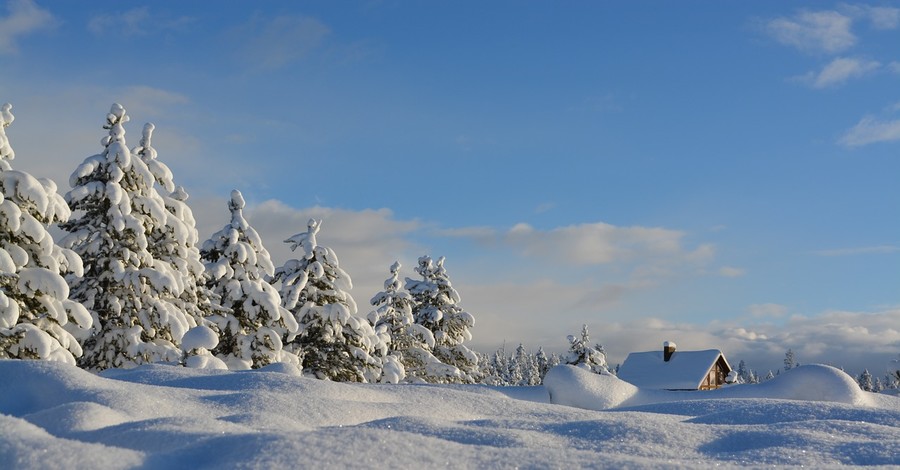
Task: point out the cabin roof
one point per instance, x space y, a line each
685 370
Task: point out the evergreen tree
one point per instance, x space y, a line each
435 306
517 366
253 324
543 363
126 290
332 342
174 242
36 315
524 369
743 372
877 385
410 342
583 355
789 362
769 376
495 369
865 381
752 378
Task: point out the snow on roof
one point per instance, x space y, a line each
684 371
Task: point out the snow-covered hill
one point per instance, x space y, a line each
57 416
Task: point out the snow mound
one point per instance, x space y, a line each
581 388
199 337
813 382
77 416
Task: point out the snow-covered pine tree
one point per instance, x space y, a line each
517 365
252 325
742 372
752 378
582 354
410 342
877 385
126 290
531 373
865 381
36 315
543 363
332 341
523 368
495 369
175 242
435 306
769 376
789 361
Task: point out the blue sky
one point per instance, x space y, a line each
721 175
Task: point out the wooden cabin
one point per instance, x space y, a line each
669 369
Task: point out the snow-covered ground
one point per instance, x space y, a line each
54 415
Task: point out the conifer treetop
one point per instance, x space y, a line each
6 118
145 151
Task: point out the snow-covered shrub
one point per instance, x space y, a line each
582 354
197 344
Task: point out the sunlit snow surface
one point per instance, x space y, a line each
57 416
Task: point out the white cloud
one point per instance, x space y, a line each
883 18
894 67
821 31
468 232
24 18
730 271
866 250
137 21
539 312
838 71
277 42
129 22
870 130
601 243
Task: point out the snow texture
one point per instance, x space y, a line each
156 416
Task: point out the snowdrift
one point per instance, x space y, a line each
574 386
57 416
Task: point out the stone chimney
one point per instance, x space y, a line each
668 350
